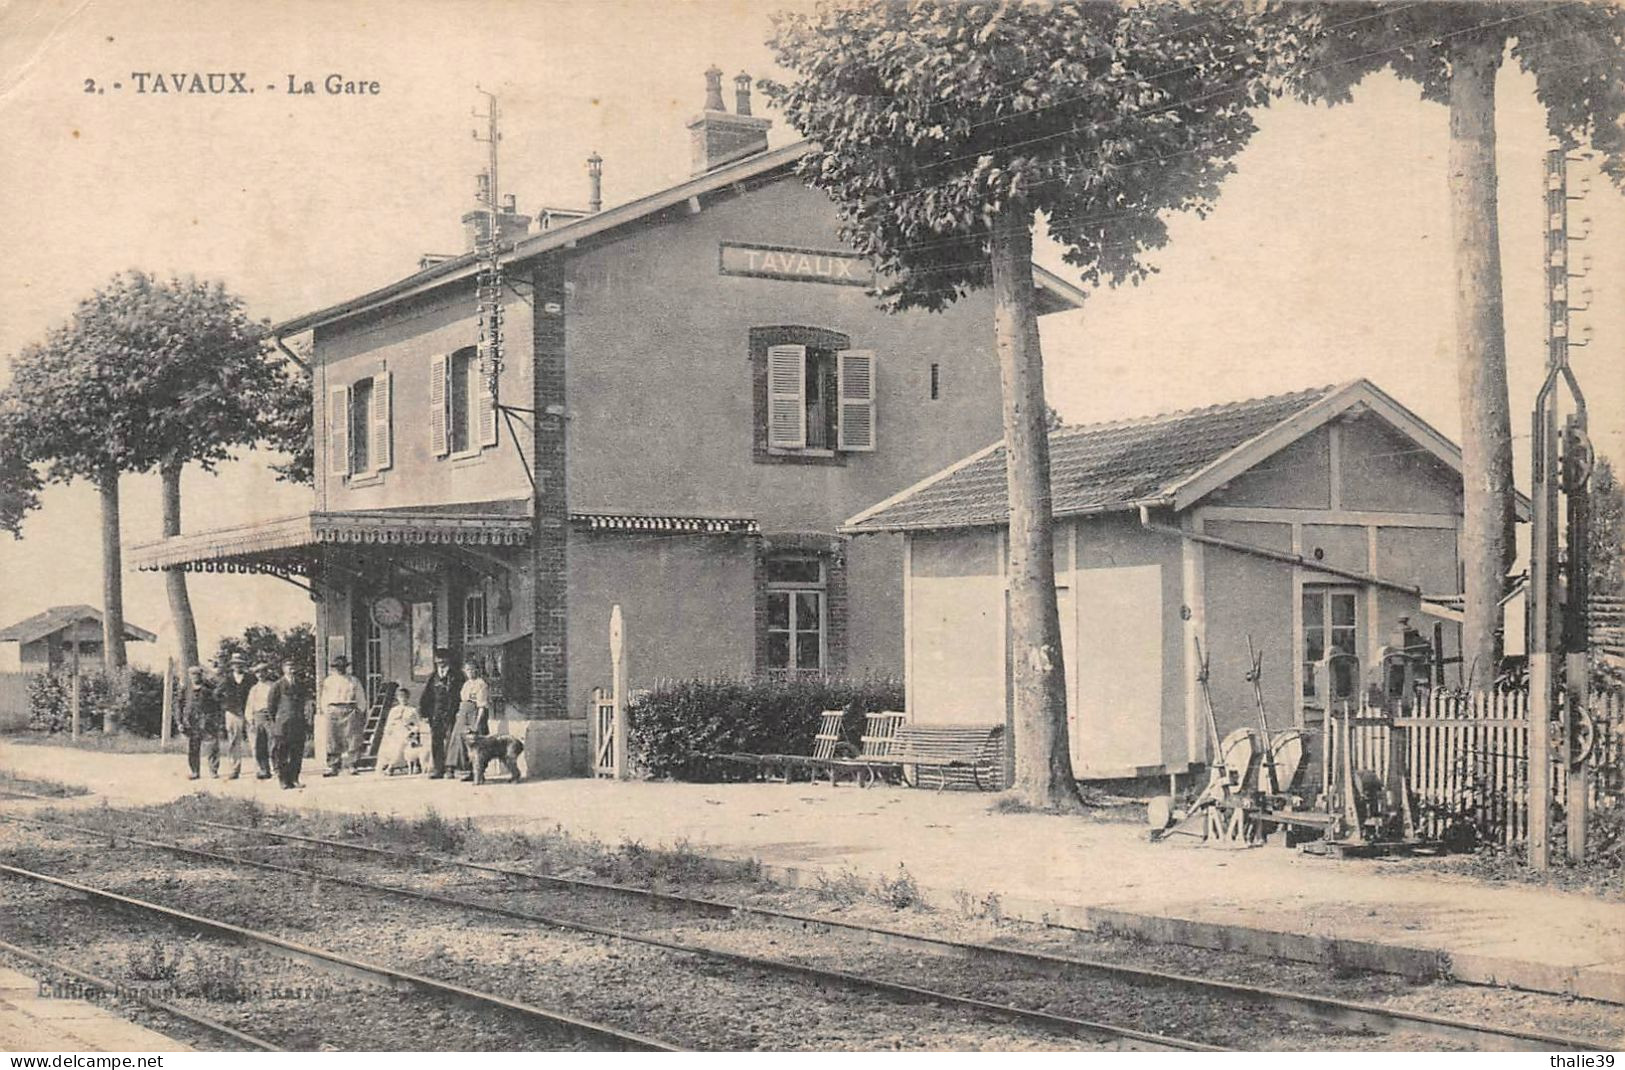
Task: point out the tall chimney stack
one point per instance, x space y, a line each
713 89
717 138
595 183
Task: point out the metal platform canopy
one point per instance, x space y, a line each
303 549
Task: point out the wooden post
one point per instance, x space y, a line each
617 660
73 703
169 704
1538 632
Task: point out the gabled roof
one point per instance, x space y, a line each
1173 459
1055 293
58 617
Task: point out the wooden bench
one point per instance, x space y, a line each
829 745
970 755
879 743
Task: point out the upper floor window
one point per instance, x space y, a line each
814 396
476 620
820 399
359 416
462 410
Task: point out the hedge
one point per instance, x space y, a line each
134 697
674 728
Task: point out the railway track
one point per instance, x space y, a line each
1058 1024
1341 1014
329 962
212 1026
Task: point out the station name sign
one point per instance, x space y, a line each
796 265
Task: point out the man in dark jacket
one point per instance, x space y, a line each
202 721
438 706
233 689
290 705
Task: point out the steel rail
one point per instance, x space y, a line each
343 965
909 993
1327 1009
153 1002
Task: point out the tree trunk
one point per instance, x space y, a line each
113 656
1037 674
1487 545
180 603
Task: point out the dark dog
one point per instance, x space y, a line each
484 749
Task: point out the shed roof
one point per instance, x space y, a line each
1169 459
58 617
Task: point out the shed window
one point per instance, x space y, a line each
1330 627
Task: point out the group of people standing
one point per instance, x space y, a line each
253 711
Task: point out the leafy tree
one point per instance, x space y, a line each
1452 50
263 642
943 132
148 374
288 421
19 483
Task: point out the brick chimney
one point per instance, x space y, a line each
511 225
718 138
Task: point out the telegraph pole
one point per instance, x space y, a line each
1557 624
490 249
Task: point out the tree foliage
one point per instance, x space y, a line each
931 117
19 482
1574 51
264 642
1606 553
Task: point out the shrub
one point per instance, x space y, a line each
134 697
674 730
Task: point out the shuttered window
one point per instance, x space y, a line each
855 374
360 426
382 404
487 406
338 430
787 397
439 437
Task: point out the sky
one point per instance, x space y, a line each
1326 259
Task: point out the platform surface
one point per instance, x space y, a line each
1072 870
32 1020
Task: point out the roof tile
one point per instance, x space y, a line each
1095 467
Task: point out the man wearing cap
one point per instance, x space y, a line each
344 699
289 706
233 690
200 719
258 718
438 706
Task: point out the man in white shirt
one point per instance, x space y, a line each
344 699
259 719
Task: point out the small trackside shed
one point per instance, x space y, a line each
1307 522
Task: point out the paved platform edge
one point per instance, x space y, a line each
1415 963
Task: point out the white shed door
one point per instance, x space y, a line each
1116 707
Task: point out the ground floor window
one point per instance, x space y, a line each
1331 625
796 616
476 620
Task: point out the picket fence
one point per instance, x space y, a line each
1467 759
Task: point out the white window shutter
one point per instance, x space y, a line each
487 407
855 385
787 397
338 430
382 413
439 440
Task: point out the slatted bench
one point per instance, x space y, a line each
829 746
970 755
879 744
